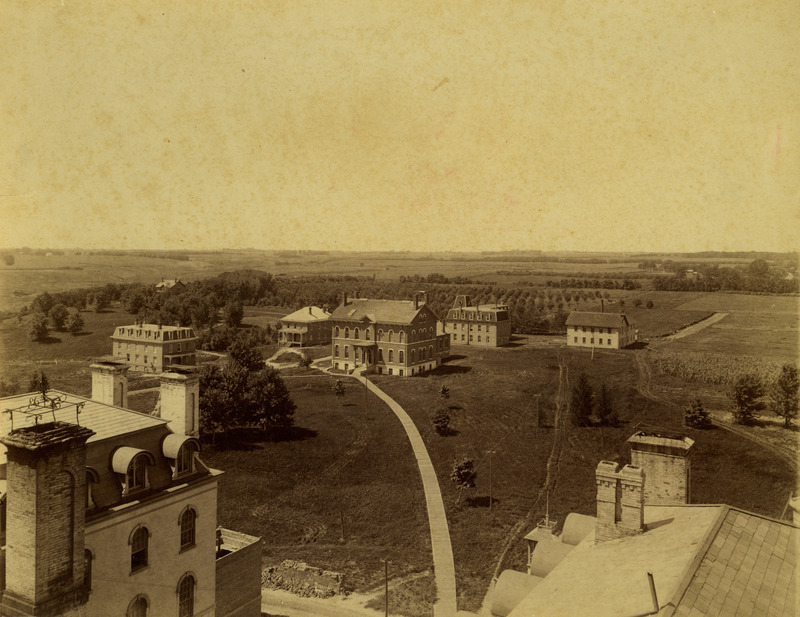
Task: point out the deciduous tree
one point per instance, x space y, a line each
440 419
75 323
37 327
338 389
745 395
784 394
58 316
463 475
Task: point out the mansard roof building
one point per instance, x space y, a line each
390 337
107 511
484 325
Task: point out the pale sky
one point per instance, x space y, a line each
367 125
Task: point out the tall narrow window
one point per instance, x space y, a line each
137 473
139 544
137 608
391 355
402 337
367 334
186 596
187 523
87 569
347 333
401 356
356 332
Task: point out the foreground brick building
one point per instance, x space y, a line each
485 325
106 511
391 337
152 348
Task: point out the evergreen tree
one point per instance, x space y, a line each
580 405
605 407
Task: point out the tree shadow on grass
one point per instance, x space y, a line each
448 432
447 369
81 333
480 501
251 438
638 345
49 340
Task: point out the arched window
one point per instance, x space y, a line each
347 333
186 596
356 332
137 473
402 336
336 332
400 355
185 460
380 354
391 355
187 523
139 542
413 336
380 335
413 356
87 569
138 607
336 351
430 352
367 334
391 336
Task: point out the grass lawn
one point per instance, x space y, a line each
492 393
343 463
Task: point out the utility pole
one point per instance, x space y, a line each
386 584
490 452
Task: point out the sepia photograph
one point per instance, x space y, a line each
355 308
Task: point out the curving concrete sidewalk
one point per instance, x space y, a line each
443 566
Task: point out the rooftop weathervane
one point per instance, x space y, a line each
42 404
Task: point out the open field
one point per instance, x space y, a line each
759 326
344 463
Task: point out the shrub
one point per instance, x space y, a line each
784 394
695 416
440 420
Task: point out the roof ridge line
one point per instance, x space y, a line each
689 572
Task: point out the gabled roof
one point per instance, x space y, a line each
597 320
307 314
168 283
380 311
705 560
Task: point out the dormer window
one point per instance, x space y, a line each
132 465
180 450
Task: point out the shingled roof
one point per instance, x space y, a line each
379 311
307 314
597 320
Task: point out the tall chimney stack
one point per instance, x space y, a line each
620 501
110 383
344 298
667 461
46 493
180 402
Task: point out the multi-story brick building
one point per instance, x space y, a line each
392 337
602 330
106 511
486 325
153 348
306 327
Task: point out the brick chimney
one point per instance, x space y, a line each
620 501
110 383
344 298
667 462
46 505
180 402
